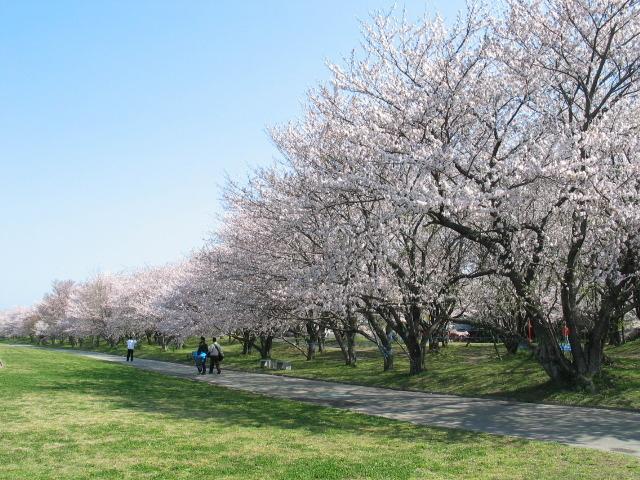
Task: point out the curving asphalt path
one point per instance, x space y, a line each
602 429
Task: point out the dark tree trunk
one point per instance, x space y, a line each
340 340
389 362
322 334
412 335
311 349
345 334
547 351
248 341
266 344
511 343
616 332
164 341
387 345
346 342
415 341
383 335
352 358
416 364
415 352
312 339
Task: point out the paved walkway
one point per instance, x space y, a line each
608 430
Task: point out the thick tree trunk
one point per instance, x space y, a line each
511 343
164 342
387 349
248 341
311 349
352 358
383 334
312 339
340 340
346 342
389 362
412 335
423 349
266 344
553 361
587 362
416 355
616 332
416 341
322 334
547 352
415 363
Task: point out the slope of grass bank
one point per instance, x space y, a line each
66 417
473 370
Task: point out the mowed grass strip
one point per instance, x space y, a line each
63 417
473 370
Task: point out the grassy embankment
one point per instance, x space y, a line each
67 417
471 371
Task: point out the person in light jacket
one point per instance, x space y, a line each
215 356
131 344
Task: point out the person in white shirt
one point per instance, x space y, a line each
131 344
215 356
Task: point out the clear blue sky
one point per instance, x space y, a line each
119 120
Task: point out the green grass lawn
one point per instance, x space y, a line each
67 417
472 370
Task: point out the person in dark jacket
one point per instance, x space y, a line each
203 351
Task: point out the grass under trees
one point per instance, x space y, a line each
473 370
67 417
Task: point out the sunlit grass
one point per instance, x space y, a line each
68 417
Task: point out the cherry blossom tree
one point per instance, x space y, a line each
15 322
53 311
518 133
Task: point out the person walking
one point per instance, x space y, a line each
201 356
131 344
215 356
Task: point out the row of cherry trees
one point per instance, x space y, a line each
107 307
486 171
462 171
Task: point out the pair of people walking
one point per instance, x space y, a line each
213 352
